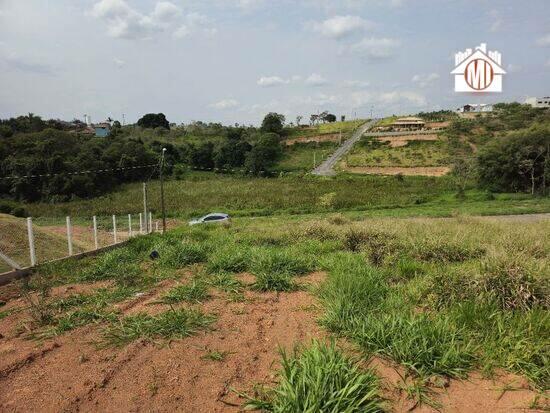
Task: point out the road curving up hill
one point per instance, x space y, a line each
326 167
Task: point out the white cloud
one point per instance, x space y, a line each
338 27
269 81
496 21
166 11
225 104
544 41
316 79
375 48
250 5
425 80
356 84
119 62
123 21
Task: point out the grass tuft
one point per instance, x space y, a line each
320 378
172 324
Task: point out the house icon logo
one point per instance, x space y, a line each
478 71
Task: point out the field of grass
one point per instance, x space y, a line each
299 156
203 192
415 153
345 127
437 298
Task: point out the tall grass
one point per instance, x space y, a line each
320 378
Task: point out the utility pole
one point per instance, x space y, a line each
162 191
145 206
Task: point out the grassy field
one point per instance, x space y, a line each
415 153
439 299
203 192
299 157
345 127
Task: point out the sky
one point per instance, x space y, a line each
233 61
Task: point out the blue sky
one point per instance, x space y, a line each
235 60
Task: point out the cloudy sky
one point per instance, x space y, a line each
235 60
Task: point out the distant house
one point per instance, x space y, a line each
475 108
539 102
409 123
102 130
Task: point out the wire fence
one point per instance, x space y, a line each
35 241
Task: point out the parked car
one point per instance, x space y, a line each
210 218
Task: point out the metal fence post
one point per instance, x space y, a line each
95 232
140 223
114 229
31 242
69 236
129 225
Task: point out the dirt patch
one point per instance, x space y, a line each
397 141
380 170
329 137
70 373
438 125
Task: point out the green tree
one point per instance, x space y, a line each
273 122
517 162
152 120
264 154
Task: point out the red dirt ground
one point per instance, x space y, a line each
71 373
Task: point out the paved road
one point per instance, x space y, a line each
326 167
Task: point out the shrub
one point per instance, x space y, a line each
514 285
320 231
19 212
320 378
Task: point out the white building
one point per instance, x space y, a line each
475 108
539 102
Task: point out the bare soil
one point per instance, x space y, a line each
329 137
391 170
397 141
72 373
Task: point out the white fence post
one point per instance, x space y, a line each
150 222
114 229
156 226
140 223
96 243
129 225
31 242
69 236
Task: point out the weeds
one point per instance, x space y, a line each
320 378
195 291
274 281
215 355
172 324
181 254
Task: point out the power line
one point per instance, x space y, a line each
79 172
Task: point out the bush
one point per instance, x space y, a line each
19 212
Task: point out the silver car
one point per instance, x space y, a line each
210 218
